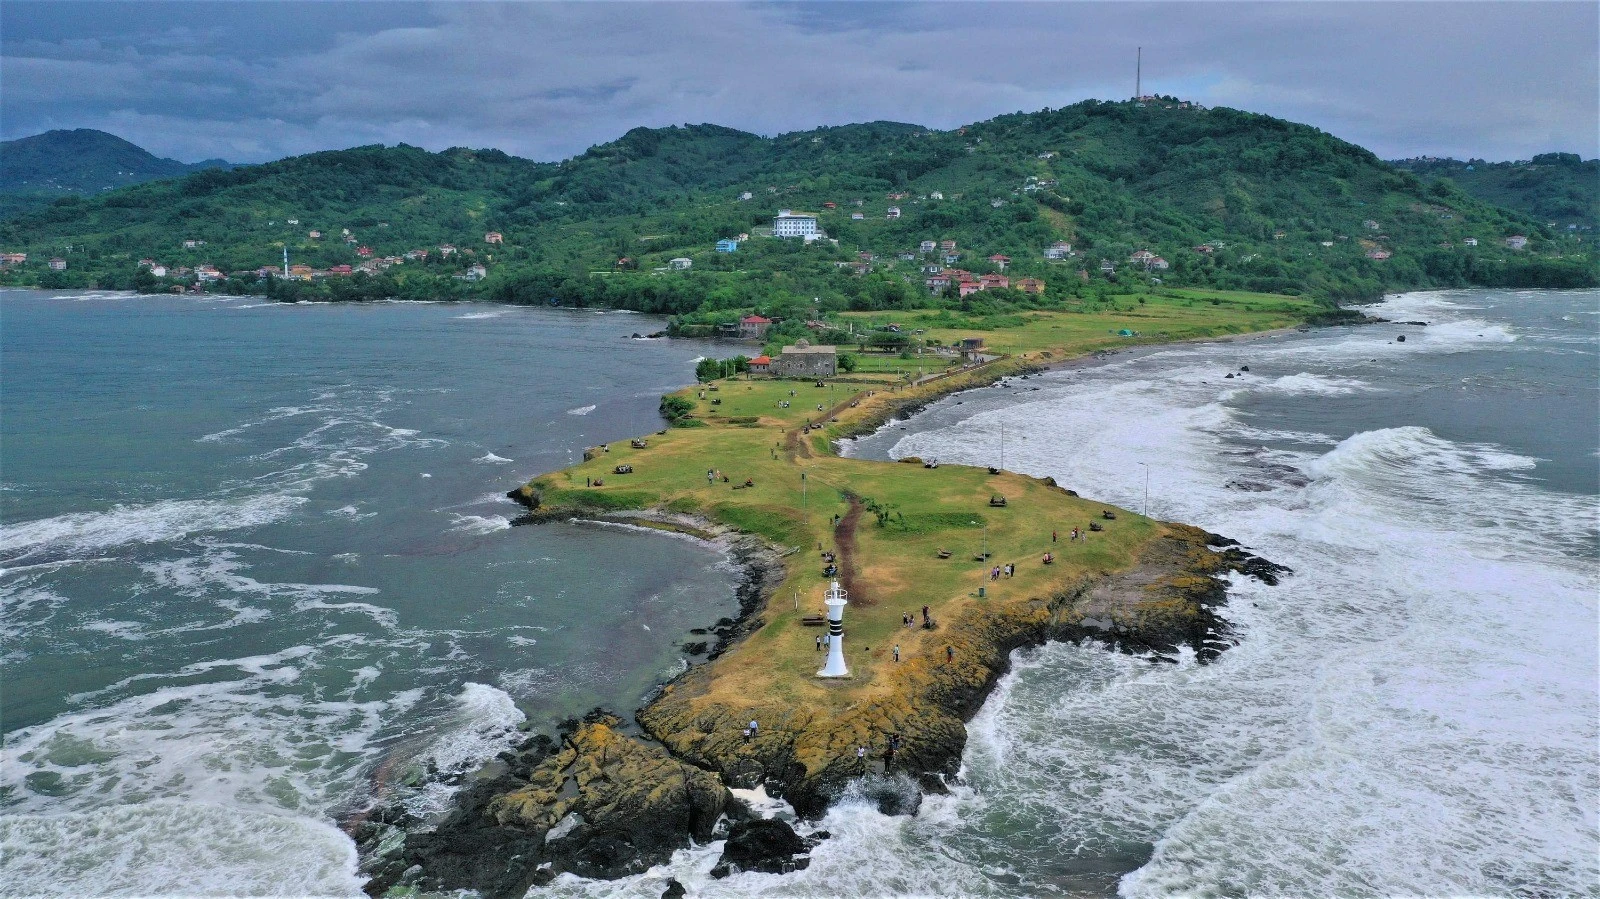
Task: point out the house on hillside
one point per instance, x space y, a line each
936 283
927 246
1516 242
936 195
1000 262
992 282
474 272
761 364
947 245
303 272
446 250
1378 254
340 270
858 216
314 235
210 273
58 264
13 258
363 251
494 237
159 270
1470 242
746 195
830 205
1205 249
951 258
967 288
1157 264
1030 285
1108 267
892 213
416 254
679 264
727 245
793 224
191 244
1058 250
754 327
802 360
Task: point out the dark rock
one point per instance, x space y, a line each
1400 339
674 890
695 649
766 845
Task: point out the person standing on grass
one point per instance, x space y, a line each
819 643
897 652
1052 536
754 727
949 655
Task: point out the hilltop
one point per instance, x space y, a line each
1560 189
1227 199
43 167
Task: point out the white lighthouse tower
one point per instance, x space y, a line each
835 602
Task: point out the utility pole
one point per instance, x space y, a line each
802 490
1146 512
1138 74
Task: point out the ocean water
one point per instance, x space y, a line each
1414 712
257 560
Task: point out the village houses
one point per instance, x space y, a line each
1000 262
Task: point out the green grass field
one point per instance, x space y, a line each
800 489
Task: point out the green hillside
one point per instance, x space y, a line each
36 170
1279 208
1559 189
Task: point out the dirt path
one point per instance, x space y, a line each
844 541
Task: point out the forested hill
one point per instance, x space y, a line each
1226 198
1559 189
45 166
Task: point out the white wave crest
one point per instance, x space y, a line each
581 410
151 523
492 459
480 524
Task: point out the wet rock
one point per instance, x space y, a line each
766 845
674 890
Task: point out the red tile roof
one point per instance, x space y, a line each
756 320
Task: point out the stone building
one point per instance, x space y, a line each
805 361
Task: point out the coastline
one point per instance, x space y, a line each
611 797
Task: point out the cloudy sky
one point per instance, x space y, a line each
260 80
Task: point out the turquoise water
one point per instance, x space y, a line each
251 551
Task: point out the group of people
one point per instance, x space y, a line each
1008 569
909 619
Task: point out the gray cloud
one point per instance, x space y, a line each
545 80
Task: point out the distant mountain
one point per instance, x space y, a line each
1226 199
1556 188
37 169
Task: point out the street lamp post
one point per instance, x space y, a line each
1146 512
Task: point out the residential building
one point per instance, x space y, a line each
1000 262
951 258
761 364
1142 258
1378 254
991 282
746 195
13 258
997 203
363 251
1157 264
1058 250
936 283
191 244
1205 249
936 195
679 264
1370 225
794 224
966 288
294 221
494 237
754 327
1108 267
58 264
1516 241
893 212
1471 242
806 361
146 263
1030 285
474 272
830 205
947 245
207 273
927 246
340 270
416 254
314 235
858 216
447 250
727 245
159 270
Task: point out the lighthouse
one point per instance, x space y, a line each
835 602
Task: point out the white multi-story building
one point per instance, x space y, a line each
793 224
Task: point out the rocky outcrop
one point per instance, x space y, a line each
600 803
767 845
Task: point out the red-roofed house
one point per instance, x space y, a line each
937 283
753 327
494 237
1030 285
363 251
988 282
966 288
761 364
1000 262
339 270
